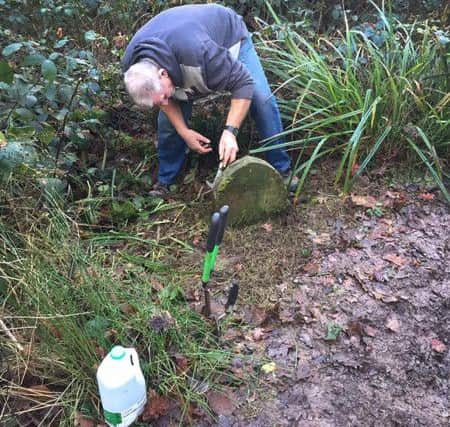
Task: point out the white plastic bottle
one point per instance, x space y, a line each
121 386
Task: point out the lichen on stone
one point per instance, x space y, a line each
253 189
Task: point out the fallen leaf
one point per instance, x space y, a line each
119 41
303 371
382 293
426 196
322 239
193 294
127 308
364 201
267 226
111 335
279 350
438 346
355 167
268 368
82 421
238 267
181 362
156 406
370 331
156 285
231 335
195 411
258 334
221 403
399 260
355 328
161 322
258 316
312 267
286 314
394 199
101 352
392 323
60 33
55 331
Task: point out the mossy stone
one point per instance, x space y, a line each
253 189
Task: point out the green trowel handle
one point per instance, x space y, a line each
210 243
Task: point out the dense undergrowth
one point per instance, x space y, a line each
365 84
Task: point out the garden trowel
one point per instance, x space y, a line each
219 173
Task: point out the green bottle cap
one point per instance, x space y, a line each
117 352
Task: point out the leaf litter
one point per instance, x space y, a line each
342 315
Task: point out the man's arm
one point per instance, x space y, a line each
194 140
228 147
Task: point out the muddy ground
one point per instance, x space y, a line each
343 314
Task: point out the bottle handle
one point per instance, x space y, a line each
134 360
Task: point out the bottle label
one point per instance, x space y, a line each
112 418
126 417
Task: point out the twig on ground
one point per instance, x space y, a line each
10 335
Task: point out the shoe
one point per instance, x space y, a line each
159 190
291 181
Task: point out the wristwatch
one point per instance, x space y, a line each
232 129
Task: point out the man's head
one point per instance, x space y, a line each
148 85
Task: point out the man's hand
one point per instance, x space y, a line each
196 141
228 148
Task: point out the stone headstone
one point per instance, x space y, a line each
253 189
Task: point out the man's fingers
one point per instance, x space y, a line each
204 140
203 149
228 157
221 152
232 157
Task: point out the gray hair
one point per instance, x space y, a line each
142 80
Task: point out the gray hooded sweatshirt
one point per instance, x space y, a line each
198 45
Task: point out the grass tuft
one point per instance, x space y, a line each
360 101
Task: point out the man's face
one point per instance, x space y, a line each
167 90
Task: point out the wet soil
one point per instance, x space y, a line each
343 314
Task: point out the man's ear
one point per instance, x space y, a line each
162 72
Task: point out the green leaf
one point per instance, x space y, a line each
33 59
90 36
16 153
21 133
6 72
47 134
30 101
24 113
61 114
49 70
65 93
12 48
50 92
61 43
54 56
